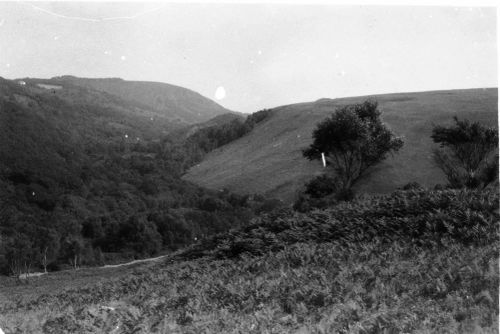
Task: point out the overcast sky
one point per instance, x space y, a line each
262 55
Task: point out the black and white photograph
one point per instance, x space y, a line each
249 167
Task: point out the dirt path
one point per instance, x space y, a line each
134 262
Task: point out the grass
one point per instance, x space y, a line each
269 159
410 262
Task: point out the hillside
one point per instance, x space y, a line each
177 103
269 160
88 177
47 130
184 132
409 262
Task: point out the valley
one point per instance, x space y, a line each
102 192
249 168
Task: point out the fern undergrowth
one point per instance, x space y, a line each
410 262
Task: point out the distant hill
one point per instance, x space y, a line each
177 103
45 128
269 160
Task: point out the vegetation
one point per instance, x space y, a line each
352 140
209 138
268 160
101 184
188 146
468 157
180 105
318 193
410 262
468 153
417 216
78 189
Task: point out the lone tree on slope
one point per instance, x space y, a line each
468 153
353 139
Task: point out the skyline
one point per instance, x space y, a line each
249 57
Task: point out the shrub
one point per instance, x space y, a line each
468 153
321 186
412 186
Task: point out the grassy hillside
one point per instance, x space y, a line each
177 103
269 159
409 262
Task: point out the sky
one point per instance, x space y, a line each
253 56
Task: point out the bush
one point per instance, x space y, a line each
321 186
268 205
412 186
468 153
321 192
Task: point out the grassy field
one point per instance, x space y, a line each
269 159
409 262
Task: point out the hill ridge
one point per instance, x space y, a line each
181 104
367 96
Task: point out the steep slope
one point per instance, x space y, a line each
269 159
46 129
179 104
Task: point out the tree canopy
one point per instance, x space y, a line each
353 139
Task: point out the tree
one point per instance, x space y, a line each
74 246
20 254
47 245
138 235
468 153
353 139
